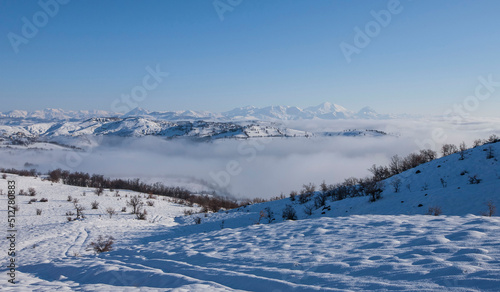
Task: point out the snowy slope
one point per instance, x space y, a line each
349 245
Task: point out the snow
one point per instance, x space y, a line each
348 245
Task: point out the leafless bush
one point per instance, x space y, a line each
94 205
150 203
39 212
492 209
293 194
141 215
463 148
117 193
75 200
308 210
111 211
490 153
4 176
436 211
448 149
188 212
136 204
396 184
79 211
44 200
443 182
124 209
289 213
32 201
197 220
474 180
70 198
16 208
32 192
103 244
22 192
98 191
69 213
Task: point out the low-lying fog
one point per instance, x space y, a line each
257 167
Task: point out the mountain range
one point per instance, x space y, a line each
326 110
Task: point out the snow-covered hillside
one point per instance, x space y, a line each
347 245
27 133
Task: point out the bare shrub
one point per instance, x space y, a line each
98 191
111 211
492 209
32 201
188 212
293 194
75 200
463 148
124 209
4 176
44 200
443 182
39 212
289 213
16 208
31 192
474 180
150 203
489 153
117 194
94 205
448 149
103 244
435 211
197 220
141 215
69 213
22 192
396 184
136 204
269 214
79 211
308 210
70 198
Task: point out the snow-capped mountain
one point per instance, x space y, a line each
326 110
56 114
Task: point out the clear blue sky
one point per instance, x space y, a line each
264 52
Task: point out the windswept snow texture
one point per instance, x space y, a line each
348 245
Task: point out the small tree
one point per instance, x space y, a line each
98 191
79 211
289 213
463 148
308 210
293 194
270 214
396 184
136 204
492 209
489 152
103 244
448 149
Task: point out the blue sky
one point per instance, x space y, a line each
282 52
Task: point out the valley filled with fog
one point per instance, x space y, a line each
253 167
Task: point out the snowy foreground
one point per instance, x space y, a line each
359 252
348 245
